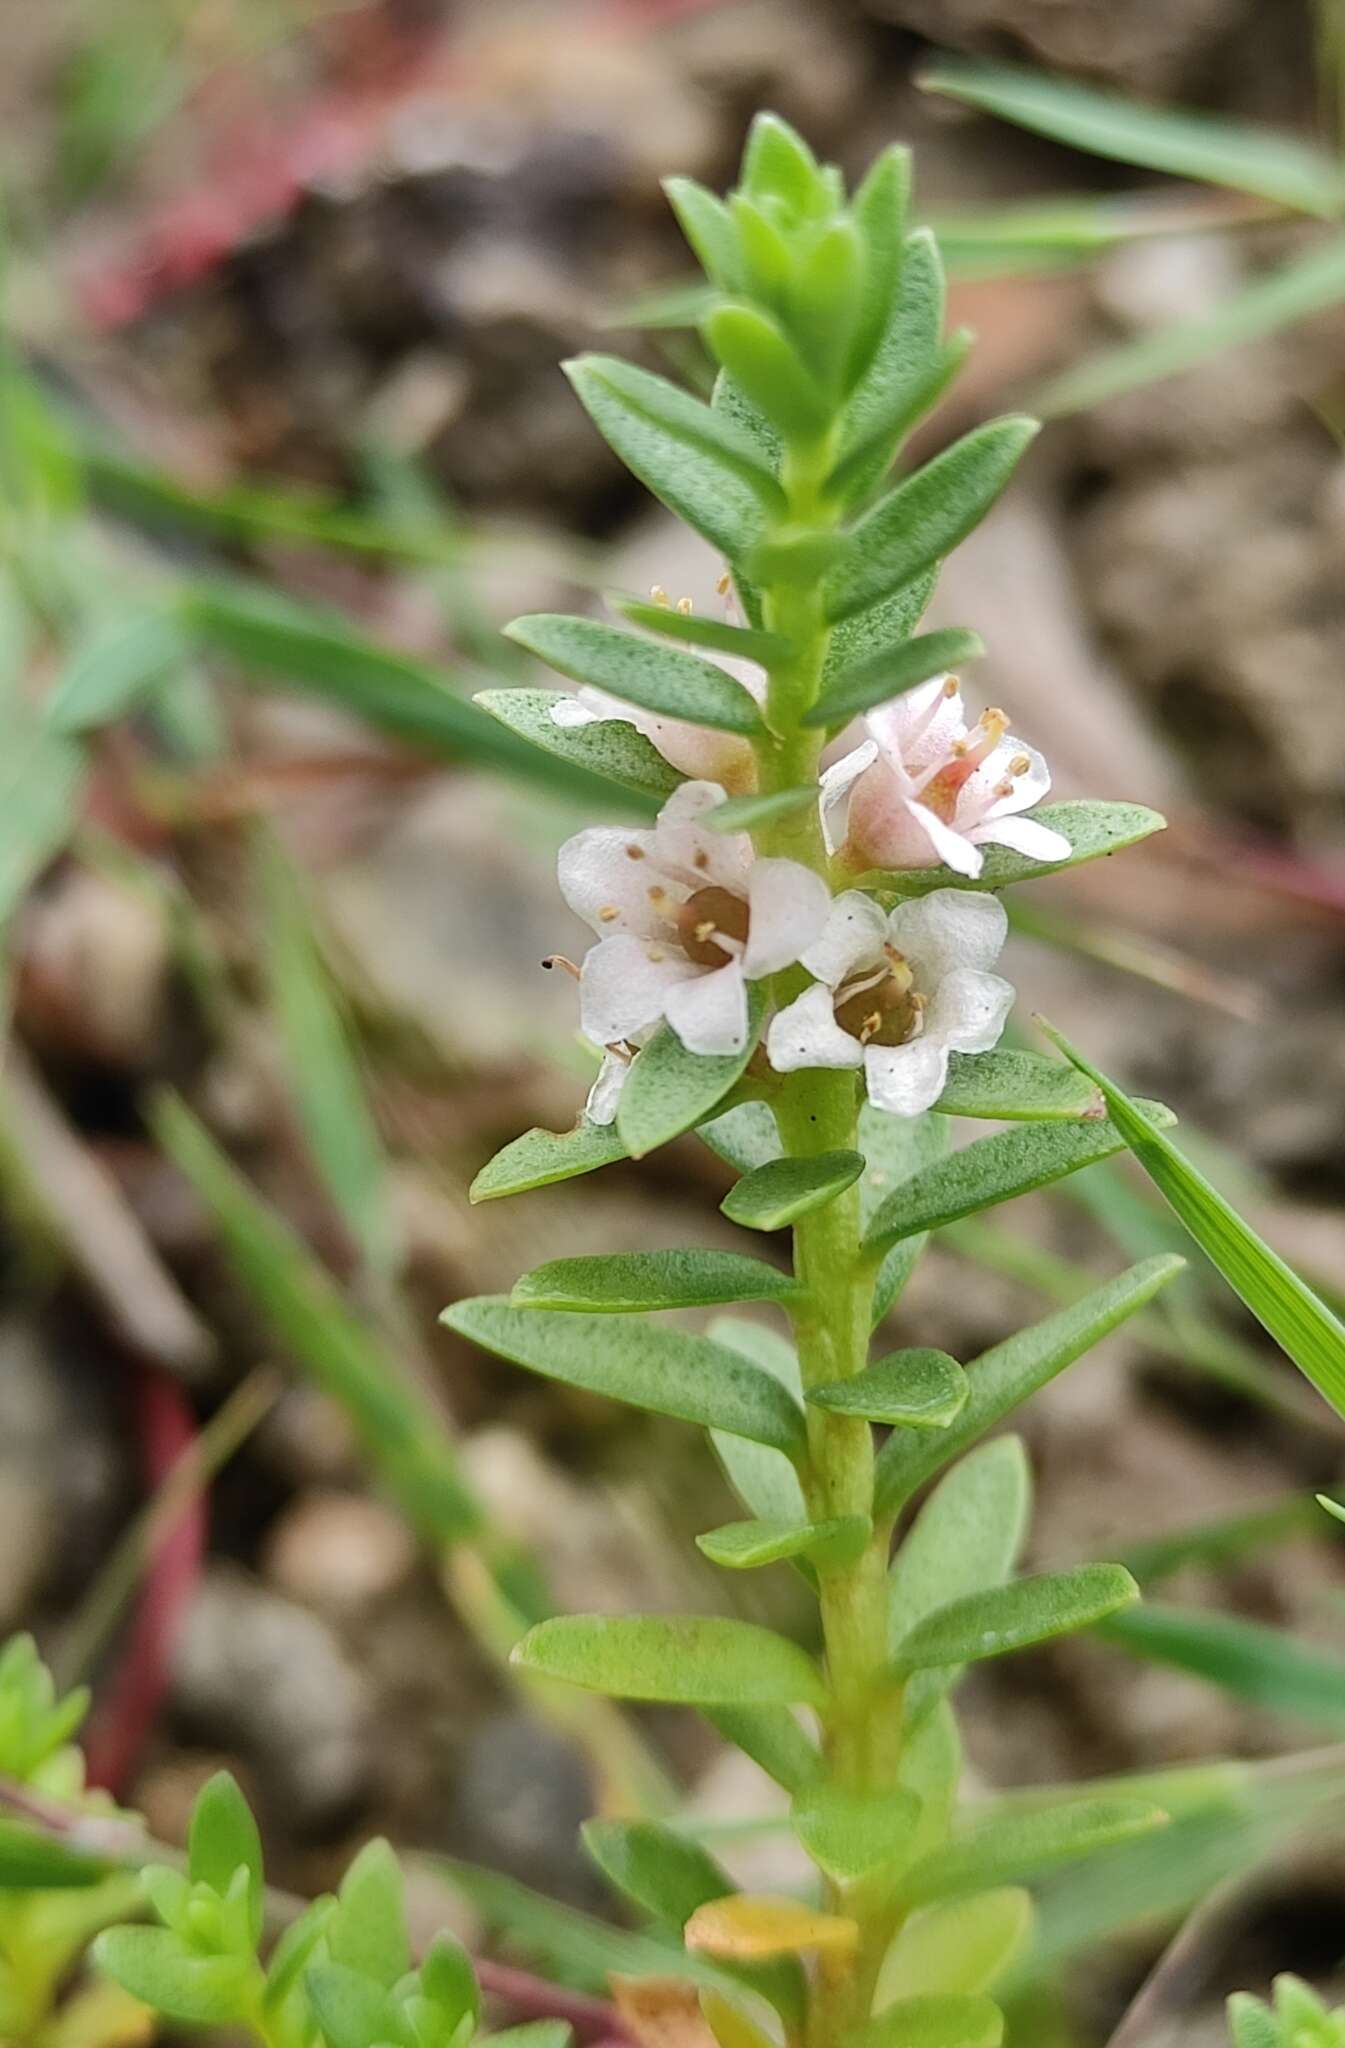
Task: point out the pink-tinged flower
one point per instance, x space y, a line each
686 917
926 788
895 995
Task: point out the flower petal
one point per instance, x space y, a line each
570 711
905 1080
954 849
624 985
606 874
709 1014
852 938
1025 836
788 906
834 786
701 857
948 929
605 1093
968 1010
805 1034
918 728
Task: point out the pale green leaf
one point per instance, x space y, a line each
1252 2024
663 679
778 165
572 1947
963 1945
447 1977
153 1966
991 1849
883 404
1015 1087
708 226
746 1136
665 1371
30 1861
1003 1378
851 1835
782 1191
754 352
223 1840
746 813
1277 167
668 1089
764 1479
690 1659
744 643
774 1741
894 671
937 2020
1281 1301
1093 829
743 1546
353 2011
1246 1658
607 747
114 666
368 1930
624 1282
925 517
41 788
879 213
538 1158
871 635
918 1389
1001 1619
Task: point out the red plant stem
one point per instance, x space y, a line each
593 2019
128 1706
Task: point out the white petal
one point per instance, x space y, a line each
919 727
947 929
1024 835
806 1034
605 1093
968 1010
852 938
954 849
709 1014
568 711
606 874
699 856
624 985
834 786
788 907
905 1080
1028 788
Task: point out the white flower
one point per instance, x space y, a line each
925 788
897 994
686 917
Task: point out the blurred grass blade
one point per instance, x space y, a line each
1223 1540
274 635
1188 145
1281 1302
40 789
1264 1665
573 1947
321 1064
1310 285
123 657
1059 233
403 1437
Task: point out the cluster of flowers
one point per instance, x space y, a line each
687 916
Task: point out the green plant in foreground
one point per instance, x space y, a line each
801 970
1296 2018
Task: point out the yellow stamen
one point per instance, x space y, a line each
1019 764
658 595
722 587
685 607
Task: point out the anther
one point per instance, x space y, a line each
634 852
685 607
559 960
1004 788
1019 764
609 913
722 587
951 686
658 595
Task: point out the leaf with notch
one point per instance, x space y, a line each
609 747
1006 1376
539 1158
625 1282
917 1389
1001 1619
893 672
995 1169
665 1371
662 679
1281 1301
688 454
1093 828
686 1659
668 1089
782 1191
925 517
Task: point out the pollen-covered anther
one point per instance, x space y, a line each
951 685
1005 787
634 852
708 918
659 596
559 960
1020 764
609 913
724 584
685 607
660 899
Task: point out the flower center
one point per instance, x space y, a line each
941 792
883 1008
706 917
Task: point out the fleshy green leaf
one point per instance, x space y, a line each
689 454
352 2010
1281 1301
917 1389
995 1169
745 813
609 747
881 407
668 1089
966 1944
153 1966
448 1979
894 1148
1251 2023
691 1659
879 213
1003 1378
779 1193
368 1931
666 1874
708 226
662 679
742 1546
663 1370
824 302
1014 1086
744 643
1245 1658
895 670
291 1954
1189 145
851 1835
1005 1618
948 2019
538 1158
573 1947
926 516
746 1136
773 1739
222 1840
1006 1848
857 473
623 1283
1092 828
778 165
764 1479
766 367
30 1862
